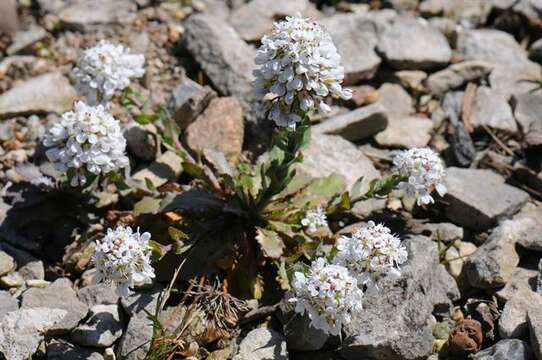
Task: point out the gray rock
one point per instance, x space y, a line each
494 46
7 263
534 319
226 59
58 295
509 349
457 75
510 80
22 331
255 18
535 51
23 39
188 100
136 340
9 21
167 167
261 344
300 335
479 198
83 15
410 44
397 325
46 93
29 266
522 279
61 349
445 232
491 108
141 301
99 294
101 329
406 132
527 110
141 141
356 39
7 304
395 100
355 125
513 320
532 220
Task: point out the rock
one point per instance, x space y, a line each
188 100
255 18
46 93
522 279
99 294
403 5
532 220
479 198
510 80
260 344
355 125
7 264
412 79
395 100
22 331
101 329
141 301
494 46
535 51
356 39
491 108
539 278
534 319
29 267
397 326
407 132
513 320
454 262
226 59
445 232
141 141
300 335
83 15
136 341
60 350
23 39
59 295
531 9
410 44
9 21
7 304
219 128
456 75
506 349
527 109
167 167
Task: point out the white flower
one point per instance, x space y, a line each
314 219
87 140
328 295
300 67
107 67
122 258
424 171
371 252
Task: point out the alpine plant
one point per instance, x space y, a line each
86 141
122 258
314 219
299 68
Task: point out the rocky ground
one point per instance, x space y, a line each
461 76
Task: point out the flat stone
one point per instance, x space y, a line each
226 59
220 127
101 329
167 167
141 301
136 341
532 220
58 295
141 141
98 294
83 15
522 279
494 46
59 349
255 18
9 20
22 331
408 44
7 304
23 39
445 232
491 108
513 320
406 132
188 100
509 349
456 75
355 125
356 38
397 326
510 80
7 263
261 344
479 198
534 319
43 94
527 110
395 100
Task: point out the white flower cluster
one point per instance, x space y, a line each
424 171
371 252
87 140
107 67
300 67
123 259
328 294
314 219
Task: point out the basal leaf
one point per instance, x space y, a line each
270 242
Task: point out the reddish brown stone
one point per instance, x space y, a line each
466 338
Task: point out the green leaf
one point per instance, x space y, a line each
147 205
270 242
150 185
195 200
320 191
179 238
145 118
356 188
193 170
